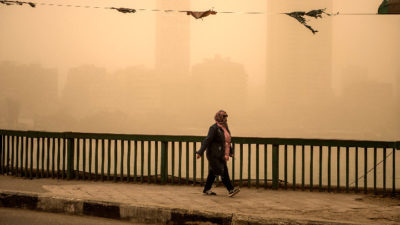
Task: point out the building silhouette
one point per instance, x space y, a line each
218 83
366 105
27 94
87 89
298 64
172 56
173 38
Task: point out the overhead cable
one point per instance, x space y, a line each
300 16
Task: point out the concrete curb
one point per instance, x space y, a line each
141 214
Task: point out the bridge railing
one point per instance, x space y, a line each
287 163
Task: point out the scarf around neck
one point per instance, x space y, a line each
227 139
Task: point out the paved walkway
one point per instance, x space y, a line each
304 207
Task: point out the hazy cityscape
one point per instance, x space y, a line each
111 67
294 84
93 100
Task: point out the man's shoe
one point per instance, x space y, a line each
233 192
209 192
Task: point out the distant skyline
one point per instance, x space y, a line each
107 35
296 82
95 101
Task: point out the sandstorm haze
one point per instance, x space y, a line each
99 70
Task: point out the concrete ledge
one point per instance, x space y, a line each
143 214
249 220
18 200
183 216
60 205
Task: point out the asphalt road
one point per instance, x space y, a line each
27 217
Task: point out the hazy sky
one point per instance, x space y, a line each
66 37
53 36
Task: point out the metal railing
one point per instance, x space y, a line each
171 159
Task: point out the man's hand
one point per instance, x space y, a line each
227 158
198 156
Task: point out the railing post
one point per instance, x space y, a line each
194 163
275 166
70 158
394 172
396 147
1 154
164 162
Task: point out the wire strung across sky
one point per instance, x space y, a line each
300 16
32 4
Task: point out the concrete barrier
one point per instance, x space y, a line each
142 214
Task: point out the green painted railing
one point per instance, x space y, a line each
258 162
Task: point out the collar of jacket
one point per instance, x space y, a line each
218 127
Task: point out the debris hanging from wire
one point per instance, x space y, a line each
5 2
387 7
124 10
299 16
199 15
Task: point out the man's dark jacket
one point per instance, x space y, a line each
215 145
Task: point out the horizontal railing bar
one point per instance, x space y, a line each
316 142
35 134
237 140
138 137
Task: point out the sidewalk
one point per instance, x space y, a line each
179 204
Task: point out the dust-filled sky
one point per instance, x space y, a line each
100 70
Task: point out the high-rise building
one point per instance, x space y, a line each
173 38
298 61
172 55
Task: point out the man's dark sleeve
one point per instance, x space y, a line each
206 142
